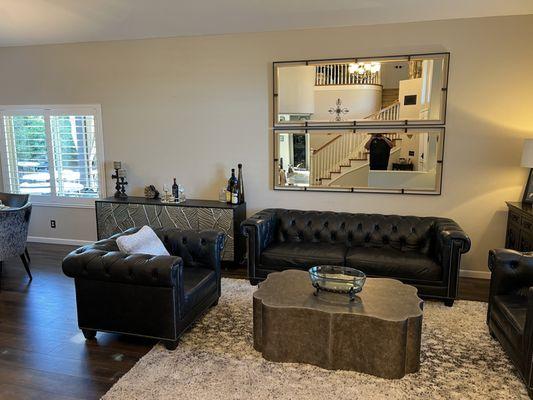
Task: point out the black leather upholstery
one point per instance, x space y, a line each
394 263
281 256
139 294
423 251
510 311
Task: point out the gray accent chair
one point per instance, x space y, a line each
14 223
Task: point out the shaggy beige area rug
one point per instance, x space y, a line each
216 360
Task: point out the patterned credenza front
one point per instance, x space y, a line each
116 215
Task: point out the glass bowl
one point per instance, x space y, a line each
336 279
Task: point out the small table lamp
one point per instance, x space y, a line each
527 161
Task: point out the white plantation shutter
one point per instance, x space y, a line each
53 151
25 154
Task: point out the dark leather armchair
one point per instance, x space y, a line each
421 251
139 294
510 311
14 225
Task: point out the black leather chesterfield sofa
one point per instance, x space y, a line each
510 311
421 251
151 296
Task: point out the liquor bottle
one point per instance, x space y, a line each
232 184
240 185
175 190
235 195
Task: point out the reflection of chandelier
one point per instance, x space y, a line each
361 68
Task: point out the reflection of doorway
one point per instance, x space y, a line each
299 150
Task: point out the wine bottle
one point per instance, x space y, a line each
240 185
175 190
235 195
232 186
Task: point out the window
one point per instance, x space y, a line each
53 153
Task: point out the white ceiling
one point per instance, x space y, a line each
25 22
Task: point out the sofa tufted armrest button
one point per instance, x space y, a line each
203 242
184 240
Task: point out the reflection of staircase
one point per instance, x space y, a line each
354 165
391 112
344 153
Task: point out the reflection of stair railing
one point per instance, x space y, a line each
339 74
339 152
391 112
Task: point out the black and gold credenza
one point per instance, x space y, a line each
116 215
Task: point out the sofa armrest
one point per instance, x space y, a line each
97 263
260 226
449 231
450 242
195 247
512 272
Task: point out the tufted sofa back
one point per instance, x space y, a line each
405 233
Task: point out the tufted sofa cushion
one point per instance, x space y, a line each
403 233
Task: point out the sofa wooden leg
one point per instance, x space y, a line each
254 281
89 334
171 344
449 302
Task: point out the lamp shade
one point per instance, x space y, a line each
527 154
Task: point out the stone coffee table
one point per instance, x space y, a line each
378 333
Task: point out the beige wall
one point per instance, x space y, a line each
194 107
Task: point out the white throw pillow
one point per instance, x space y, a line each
144 241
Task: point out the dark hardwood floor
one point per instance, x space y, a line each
43 355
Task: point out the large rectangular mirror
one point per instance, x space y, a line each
400 90
399 160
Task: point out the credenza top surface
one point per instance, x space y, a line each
187 203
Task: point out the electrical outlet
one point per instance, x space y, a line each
53 223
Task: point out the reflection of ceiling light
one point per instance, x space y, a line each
362 68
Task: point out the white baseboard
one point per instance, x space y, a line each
52 240
468 273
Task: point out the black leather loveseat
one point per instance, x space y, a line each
510 311
152 296
422 251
